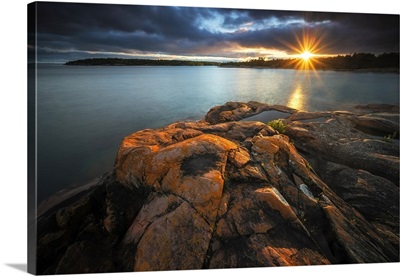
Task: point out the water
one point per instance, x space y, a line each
84 112
267 116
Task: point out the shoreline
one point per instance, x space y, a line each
385 62
363 70
356 109
359 110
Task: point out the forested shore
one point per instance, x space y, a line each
356 61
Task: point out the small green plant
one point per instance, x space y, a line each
389 137
278 125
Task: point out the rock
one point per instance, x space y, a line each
73 214
223 193
310 116
235 111
178 240
376 198
121 208
340 140
86 257
50 247
378 126
82 233
379 108
192 169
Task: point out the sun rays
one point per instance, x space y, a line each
307 49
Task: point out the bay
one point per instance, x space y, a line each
83 112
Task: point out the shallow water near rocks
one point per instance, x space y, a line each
267 116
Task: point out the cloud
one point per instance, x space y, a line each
88 28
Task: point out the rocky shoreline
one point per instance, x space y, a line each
232 191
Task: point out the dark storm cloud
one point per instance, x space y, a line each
363 32
67 28
72 19
122 28
341 32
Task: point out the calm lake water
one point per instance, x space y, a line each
84 112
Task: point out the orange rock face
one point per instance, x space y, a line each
249 196
192 169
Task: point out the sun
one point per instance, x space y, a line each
306 55
307 48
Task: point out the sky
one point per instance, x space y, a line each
69 31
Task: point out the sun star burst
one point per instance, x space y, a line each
307 47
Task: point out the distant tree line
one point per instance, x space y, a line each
340 62
139 62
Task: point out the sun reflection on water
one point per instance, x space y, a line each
297 99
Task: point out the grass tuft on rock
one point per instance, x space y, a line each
278 125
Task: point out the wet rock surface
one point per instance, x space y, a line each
226 193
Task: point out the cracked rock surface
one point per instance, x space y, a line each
227 193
